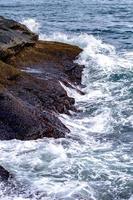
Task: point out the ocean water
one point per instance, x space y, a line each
95 161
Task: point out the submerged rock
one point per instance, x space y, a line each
31 94
4 174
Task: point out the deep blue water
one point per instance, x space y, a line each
111 20
97 162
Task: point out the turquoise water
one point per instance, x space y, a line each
96 161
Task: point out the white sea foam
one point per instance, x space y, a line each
32 24
32 71
103 55
101 61
71 168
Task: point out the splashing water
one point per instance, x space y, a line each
94 162
32 24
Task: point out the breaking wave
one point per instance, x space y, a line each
94 162
32 24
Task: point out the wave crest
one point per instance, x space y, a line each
32 24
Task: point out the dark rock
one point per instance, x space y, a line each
31 94
16 116
4 174
53 59
59 129
23 122
13 37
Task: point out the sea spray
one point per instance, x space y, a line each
32 24
95 159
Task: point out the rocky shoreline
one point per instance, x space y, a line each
31 95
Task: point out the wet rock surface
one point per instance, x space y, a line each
4 174
31 94
13 37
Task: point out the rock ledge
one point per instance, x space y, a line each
31 95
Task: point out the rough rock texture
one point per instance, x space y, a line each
53 59
31 94
22 121
13 37
4 175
